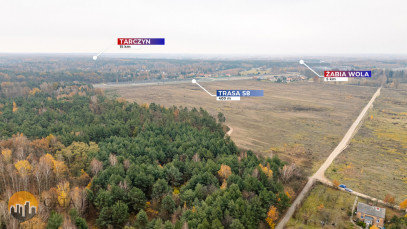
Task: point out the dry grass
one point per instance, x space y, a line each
331 206
313 116
324 204
375 162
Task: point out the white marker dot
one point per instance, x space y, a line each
301 61
95 57
193 81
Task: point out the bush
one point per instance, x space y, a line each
54 221
81 223
361 223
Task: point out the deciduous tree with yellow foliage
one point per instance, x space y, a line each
63 190
6 155
266 170
15 108
23 167
34 91
272 216
403 204
224 172
34 223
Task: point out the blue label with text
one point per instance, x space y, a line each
239 93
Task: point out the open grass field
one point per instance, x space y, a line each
301 122
375 162
331 206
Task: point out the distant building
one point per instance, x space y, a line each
371 215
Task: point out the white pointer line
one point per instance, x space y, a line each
96 57
303 63
194 81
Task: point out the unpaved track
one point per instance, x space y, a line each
230 131
319 175
358 194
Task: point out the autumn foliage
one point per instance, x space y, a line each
266 170
224 171
63 191
23 167
6 155
34 223
15 108
145 153
403 204
272 216
336 183
389 199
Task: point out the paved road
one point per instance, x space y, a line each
320 174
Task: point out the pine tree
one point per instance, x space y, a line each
137 199
54 221
167 206
141 219
120 213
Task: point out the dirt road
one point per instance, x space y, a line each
358 194
320 174
230 131
163 82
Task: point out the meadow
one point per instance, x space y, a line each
301 122
374 163
331 206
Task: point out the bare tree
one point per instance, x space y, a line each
3 172
126 164
185 226
13 175
3 212
123 185
196 158
255 173
96 166
38 175
45 165
20 144
79 199
287 172
112 159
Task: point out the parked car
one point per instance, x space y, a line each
342 186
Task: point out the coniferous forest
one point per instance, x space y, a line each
98 162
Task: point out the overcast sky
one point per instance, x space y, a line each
267 27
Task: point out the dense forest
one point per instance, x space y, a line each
98 162
92 161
